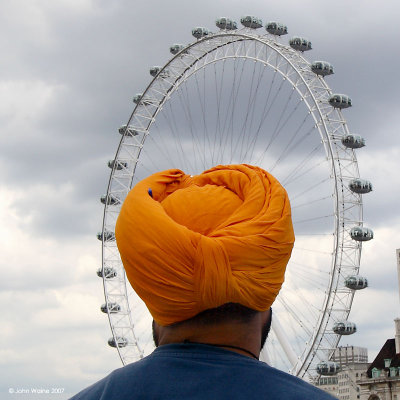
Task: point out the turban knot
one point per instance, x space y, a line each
190 243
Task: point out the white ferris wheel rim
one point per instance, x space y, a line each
295 69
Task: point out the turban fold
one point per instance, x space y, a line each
190 243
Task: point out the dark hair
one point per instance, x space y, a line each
228 312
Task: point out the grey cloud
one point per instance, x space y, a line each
99 58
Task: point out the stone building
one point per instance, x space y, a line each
382 379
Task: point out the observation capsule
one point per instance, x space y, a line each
300 44
111 200
322 68
328 368
154 71
361 234
118 164
112 308
360 186
356 282
119 341
353 141
251 22
108 236
127 130
109 272
200 32
275 28
344 328
226 23
340 101
176 48
138 99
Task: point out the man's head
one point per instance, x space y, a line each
194 245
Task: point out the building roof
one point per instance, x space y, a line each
387 351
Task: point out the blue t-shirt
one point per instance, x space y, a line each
201 372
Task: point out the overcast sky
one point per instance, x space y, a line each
69 69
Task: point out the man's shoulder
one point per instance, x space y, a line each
116 385
281 385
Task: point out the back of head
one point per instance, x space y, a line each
218 241
227 313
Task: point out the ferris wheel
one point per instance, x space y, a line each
244 96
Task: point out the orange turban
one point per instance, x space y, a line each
190 243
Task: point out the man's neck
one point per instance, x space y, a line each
242 338
233 348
